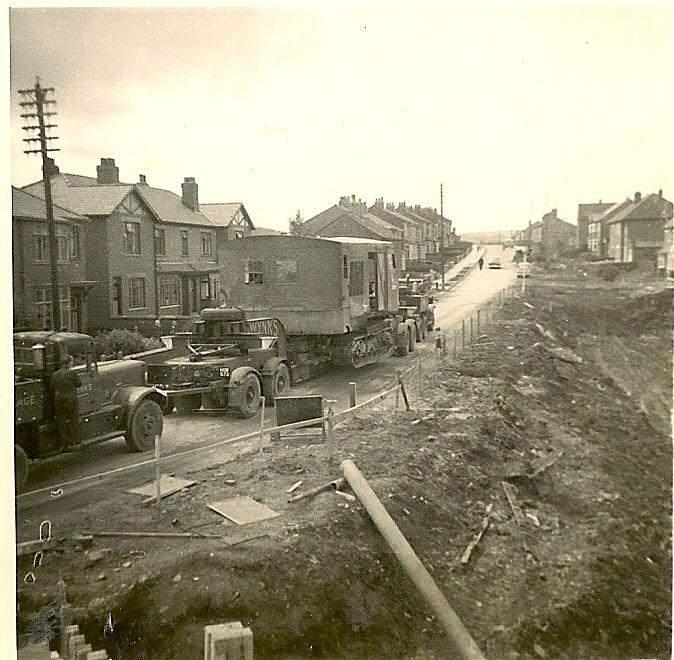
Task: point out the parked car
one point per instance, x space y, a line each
494 262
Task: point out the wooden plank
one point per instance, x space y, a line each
509 490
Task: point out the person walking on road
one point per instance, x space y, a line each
480 262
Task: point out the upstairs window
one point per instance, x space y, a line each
159 241
131 238
238 233
206 243
184 243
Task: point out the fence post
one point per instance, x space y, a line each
403 391
398 376
352 395
331 420
454 351
471 328
263 401
463 334
478 321
157 468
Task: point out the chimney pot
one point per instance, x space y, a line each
660 193
107 171
353 199
142 180
190 193
637 197
52 168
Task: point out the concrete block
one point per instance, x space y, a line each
81 652
97 655
228 641
247 643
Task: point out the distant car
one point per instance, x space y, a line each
494 262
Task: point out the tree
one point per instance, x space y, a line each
295 224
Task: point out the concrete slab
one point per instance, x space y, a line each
243 510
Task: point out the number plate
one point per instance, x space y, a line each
224 372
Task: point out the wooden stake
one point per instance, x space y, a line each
471 328
398 376
463 334
352 395
157 468
478 321
454 351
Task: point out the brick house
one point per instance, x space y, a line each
598 229
666 253
584 235
351 218
151 252
413 245
549 237
637 233
31 275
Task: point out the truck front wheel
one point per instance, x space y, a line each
146 423
278 384
249 397
20 467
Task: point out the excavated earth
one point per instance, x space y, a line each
579 434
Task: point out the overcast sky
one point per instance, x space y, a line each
516 107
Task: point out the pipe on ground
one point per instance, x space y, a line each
463 645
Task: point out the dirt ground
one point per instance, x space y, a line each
582 433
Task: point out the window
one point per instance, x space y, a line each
205 288
184 243
356 281
136 292
43 307
393 261
345 267
254 269
159 241
238 233
168 293
286 271
67 244
117 296
214 279
131 238
206 243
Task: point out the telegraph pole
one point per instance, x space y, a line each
442 240
33 103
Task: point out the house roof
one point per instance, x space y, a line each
264 231
604 216
370 222
586 210
322 219
26 205
222 214
88 197
651 207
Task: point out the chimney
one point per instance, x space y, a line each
53 170
390 206
353 199
344 201
659 191
107 171
142 181
637 197
190 193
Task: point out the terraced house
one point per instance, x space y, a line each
149 251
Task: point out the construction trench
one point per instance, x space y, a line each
490 436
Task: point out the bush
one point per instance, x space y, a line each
608 272
126 341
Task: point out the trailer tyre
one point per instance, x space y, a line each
404 349
186 404
250 397
278 384
146 423
20 467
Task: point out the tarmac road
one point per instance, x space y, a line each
188 432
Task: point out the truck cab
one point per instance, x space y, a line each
112 398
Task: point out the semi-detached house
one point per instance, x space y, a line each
149 251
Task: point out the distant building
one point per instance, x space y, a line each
31 275
598 229
549 237
666 253
585 212
149 251
352 218
637 232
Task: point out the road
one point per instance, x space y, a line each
191 432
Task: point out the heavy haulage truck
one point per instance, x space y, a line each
296 306
112 399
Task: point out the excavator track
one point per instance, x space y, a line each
363 349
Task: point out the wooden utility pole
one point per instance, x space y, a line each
442 240
33 103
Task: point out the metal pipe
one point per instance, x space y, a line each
463 645
336 484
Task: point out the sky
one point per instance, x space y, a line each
516 108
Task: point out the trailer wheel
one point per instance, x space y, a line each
278 384
186 404
404 349
250 397
20 467
146 423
